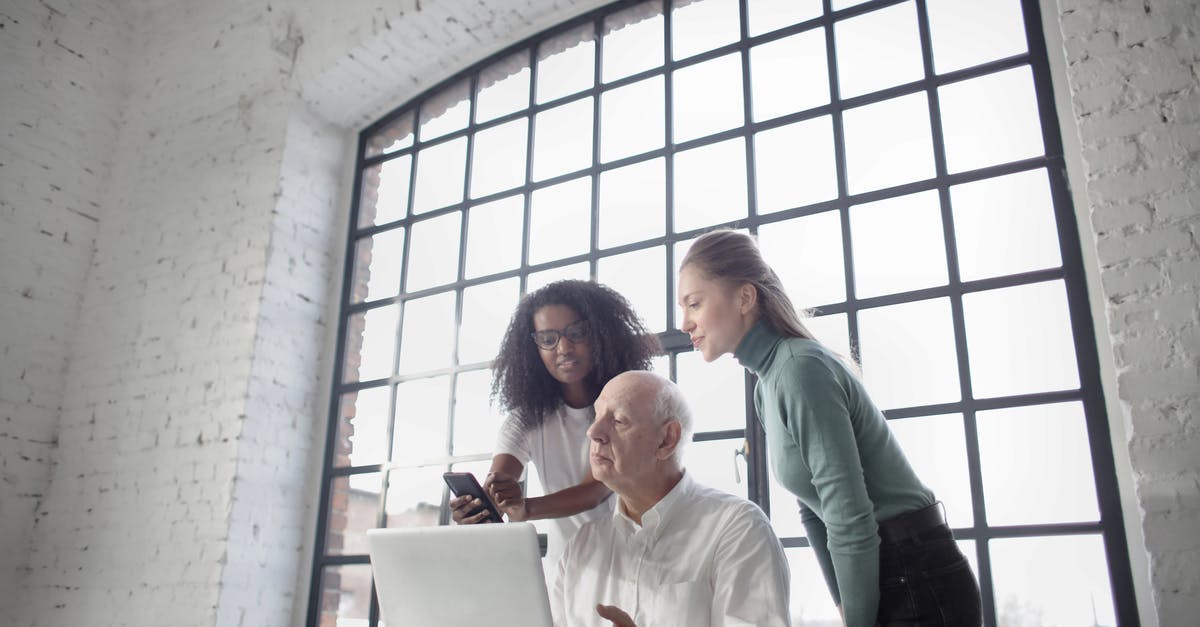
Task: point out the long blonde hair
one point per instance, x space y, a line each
734 257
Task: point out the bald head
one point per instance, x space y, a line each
641 425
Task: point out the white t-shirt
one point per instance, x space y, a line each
559 450
701 558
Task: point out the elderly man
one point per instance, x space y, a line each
674 552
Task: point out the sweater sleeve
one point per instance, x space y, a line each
819 541
816 404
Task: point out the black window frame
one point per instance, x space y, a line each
1090 394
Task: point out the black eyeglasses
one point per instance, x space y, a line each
547 339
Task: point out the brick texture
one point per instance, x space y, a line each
1134 70
60 96
173 185
173 219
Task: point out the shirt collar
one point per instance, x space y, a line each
653 518
757 347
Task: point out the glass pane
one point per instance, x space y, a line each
503 87
969 33
433 252
1019 340
681 249
710 185
989 120
485 314
769 15
640 277
631 119
700 25
498 158
422 418
363 428
494 236
1036 465
633 41
894 341
562 139
393 137
936 448
415 496
794 165
715 391
707 98
428 339
661 365
385 192
838 5
806 253
888 143
560 221
811 604
714 464
440 172
789 75
1005 225
353 508
878 50
632 201
970 552
581 271
446 111
370 344
476 421
785 511
832 330
1061 580
566 63
345 595
898 245
377 265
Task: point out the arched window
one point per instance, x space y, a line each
901 164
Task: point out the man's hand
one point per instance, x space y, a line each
614 615
506 493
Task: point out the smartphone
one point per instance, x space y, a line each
465 484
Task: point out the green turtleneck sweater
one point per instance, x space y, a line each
831 447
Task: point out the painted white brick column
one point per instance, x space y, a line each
1134 71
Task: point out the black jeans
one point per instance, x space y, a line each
924 580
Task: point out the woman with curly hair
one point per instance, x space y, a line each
564 342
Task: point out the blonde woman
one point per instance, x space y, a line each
878 533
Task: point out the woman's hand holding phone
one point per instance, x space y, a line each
462 506
472 504
507 494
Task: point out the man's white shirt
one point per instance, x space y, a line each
558 447
700 557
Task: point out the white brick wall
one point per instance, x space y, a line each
1134 71
269 522
60 91
191 420
213 135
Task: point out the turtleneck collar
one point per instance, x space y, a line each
757 347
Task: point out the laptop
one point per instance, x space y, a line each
460 576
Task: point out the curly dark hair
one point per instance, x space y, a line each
618 340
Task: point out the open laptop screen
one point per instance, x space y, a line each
456 576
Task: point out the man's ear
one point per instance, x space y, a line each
672 431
